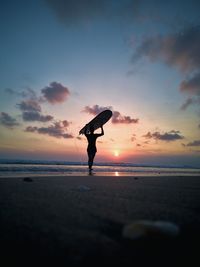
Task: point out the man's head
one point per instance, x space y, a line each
91 129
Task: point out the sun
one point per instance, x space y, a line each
116 153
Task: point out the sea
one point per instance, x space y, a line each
23 168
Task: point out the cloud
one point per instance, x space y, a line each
190 101
57 129
80 12
148 135
187 103
192 85
55 93
65 123
168 136
194 143
96 109
117 118
36 116
29 105
31 111
8 121
27 92
77 10
133 138
180 50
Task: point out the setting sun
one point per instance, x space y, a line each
116 153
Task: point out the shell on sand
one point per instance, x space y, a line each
147 228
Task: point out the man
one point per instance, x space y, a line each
91 149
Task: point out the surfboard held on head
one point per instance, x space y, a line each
98 121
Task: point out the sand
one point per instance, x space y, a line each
76 221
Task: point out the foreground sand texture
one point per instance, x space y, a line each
76 221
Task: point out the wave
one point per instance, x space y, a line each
76 163
58 167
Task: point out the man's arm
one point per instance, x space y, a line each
102 131
85 131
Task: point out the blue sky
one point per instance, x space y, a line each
140 58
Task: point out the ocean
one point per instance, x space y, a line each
21 168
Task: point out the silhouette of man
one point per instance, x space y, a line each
91 149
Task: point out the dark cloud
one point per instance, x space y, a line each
65 123
178 49
192 85
7 120
77 10
31 129
116 118
29 105
190 101
27 92
194 143
57 129
187 103
96 109
80 12
168 136
36 116
133 138
55 93
31 111
148 135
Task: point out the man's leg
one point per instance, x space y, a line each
91 156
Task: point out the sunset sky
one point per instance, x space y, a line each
62 62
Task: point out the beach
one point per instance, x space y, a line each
79 220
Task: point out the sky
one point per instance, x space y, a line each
63 62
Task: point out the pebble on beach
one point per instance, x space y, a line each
83 188
150 229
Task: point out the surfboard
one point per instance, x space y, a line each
98 121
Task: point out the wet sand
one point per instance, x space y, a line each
76 221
